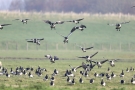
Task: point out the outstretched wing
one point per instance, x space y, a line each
93 55
56 58
60 34
70 21
47 21
103 61
93 61
16 19
26 19
29 40
79 19
73 29
82 26
79 46
69 34
59 22
111 24
40 39
5 24
88 48
124 22
81 57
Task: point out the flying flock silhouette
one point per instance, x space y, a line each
69 73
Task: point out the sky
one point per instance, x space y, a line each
4 4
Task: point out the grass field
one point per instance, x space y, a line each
97 34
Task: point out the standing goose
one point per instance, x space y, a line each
52 83
88 58
84 49
73 81
92 81
65 37
113 75
132 81
46 77
122 74
118 25
103 83
76 21
23 20
52 25
1 26
68 80
81 80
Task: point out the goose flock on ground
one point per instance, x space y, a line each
69 74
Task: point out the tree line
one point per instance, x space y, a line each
77 6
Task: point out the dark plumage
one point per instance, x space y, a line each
76 21
52 25
35 40
23 20
1 26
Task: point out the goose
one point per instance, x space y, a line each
46 77
52 25
113 75
30 75
122 74
81 27
52 78
81 80
1 26
88 58
103 83
35 40
70 74
84 49
23 20
122 81
101 74
52 83
132 81
76 21
99 63
112 64
74 68
118 25
131 69
7 75
73 81
68 80
92 81
108 76
52 59
86 74
127 70
96 74
65 37
56 71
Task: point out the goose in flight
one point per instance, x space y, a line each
99 63
52 59
1 26
112 62
84 49
52 24
118 25
23 20
65 37
88 58
76 21
35 40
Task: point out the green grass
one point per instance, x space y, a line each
37 83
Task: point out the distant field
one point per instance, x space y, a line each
96 33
